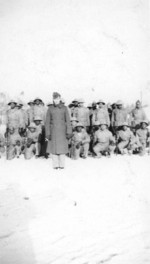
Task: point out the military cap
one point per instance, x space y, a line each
94 103
20 102
101 124
81 100
79 125
11 128
119 102
36 118
56 95
49 103
138 101
30 102
89 106
97 123
32 125
63 100
38 99
74 119
145 121
12 101
75 100
125 124
101 101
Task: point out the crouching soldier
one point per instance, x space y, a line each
126 141
143 135
14 143
79 142
31 147
104 141
2 145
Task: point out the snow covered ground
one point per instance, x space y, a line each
93 212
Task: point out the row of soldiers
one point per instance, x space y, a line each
98 129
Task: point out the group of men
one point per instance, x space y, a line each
96 130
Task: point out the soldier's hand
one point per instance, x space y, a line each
49 137
68 136
78 145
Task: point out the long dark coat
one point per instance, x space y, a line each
58 126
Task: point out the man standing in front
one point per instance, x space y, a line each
58 131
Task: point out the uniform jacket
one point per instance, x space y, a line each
40 111
101 115
125 135
119 116
103 137
143 135
23 118
82 115
13 118
30 115
14 138
82 137
58 126
33 135
137 115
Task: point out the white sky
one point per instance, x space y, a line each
95 49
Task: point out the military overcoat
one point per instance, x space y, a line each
58 127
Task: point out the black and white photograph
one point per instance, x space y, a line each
74 132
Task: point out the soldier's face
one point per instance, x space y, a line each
119 106
56 100
103 127
73 123
32 129
11 131
37 122
100 105
79 129
125 128
12 105
138 105
143 125
37 102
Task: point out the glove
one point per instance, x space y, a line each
78 145
29 142
18 143
68 136
49 137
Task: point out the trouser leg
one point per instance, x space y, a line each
61 160
122 145
85 149
55 161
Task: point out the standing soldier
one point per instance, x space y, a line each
119 116
13 118
58 131
23 118
73 107
101 114
2 145
137 115
3 111
82 114
30 112
39 109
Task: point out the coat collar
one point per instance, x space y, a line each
59 105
